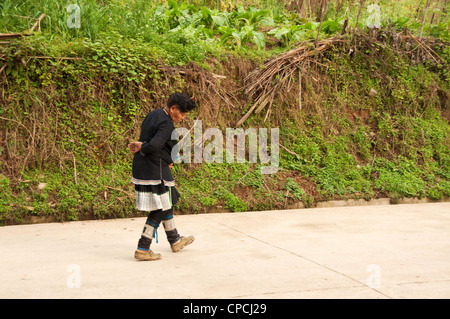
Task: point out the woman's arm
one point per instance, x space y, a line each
163 133
136 147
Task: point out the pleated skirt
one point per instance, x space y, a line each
155 197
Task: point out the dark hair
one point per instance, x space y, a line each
183 102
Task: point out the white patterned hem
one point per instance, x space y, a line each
147 201
151 182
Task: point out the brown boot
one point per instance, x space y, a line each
146 255
181 243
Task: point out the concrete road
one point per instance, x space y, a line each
389 251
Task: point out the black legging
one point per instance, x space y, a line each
154 219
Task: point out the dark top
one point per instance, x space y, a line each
151 164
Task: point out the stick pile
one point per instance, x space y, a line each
277 75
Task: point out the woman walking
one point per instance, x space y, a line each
154 184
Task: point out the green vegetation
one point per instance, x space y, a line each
373 122
180 32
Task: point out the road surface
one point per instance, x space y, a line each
364 252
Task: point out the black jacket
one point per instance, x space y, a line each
151 164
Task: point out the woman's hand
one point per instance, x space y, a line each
135 147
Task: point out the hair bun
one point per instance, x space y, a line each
183 101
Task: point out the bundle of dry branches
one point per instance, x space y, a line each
278 74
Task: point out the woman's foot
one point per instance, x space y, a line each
181 243
146 255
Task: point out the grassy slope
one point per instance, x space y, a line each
66 123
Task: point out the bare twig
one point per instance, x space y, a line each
300 88
423 20
74 169
323 8
37 23
289 151
120 190
361 4
29 32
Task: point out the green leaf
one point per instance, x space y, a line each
331 26
226 30
310 26
206 12
267 21
259 39
207 32
279 32
219 20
